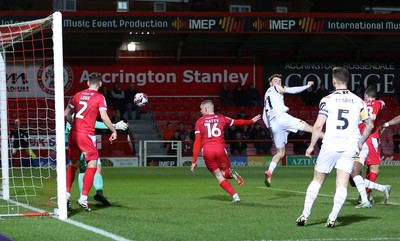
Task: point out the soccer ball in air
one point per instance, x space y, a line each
140 99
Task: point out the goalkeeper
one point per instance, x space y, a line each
98 178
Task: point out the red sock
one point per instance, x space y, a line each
372 176
88 180
70 176
227 174
227 187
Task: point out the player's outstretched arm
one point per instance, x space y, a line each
108 123
298 89
394 121
242 122
256 118
121 125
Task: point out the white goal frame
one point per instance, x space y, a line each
56 19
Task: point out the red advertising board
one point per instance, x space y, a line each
164 76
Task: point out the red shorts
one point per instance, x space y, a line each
80 142
216 157
374 154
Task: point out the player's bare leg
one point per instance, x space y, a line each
280 153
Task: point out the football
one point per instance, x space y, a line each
140 99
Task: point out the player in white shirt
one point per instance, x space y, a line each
341 111
279 122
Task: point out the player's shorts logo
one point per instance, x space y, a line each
45 77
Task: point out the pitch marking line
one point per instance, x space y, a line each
76 223
319 194
96 230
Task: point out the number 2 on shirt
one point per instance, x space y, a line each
84 106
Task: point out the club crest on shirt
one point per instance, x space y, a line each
45 77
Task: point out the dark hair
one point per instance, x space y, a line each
95 78
371 92
341 75
273 76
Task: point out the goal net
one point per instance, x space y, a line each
32 120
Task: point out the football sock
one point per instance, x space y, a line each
272 167
360 185
338 201
83 198
372 177
227 187
80 181
88 180
70 176
98 182
373 185
311 195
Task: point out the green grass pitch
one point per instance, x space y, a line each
174 204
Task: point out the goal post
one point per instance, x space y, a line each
33 163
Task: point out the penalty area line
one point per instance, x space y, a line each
96 230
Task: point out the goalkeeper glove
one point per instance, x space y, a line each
121 125
32 154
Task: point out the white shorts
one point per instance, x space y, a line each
363 154
340 160
281 125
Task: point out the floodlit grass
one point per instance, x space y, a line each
173 204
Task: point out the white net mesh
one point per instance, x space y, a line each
27 109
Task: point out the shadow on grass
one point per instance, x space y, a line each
281 195
344 220
224 198
217 198
94 207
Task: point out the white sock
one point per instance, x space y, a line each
311 195
360 185
338 201
83 198
272 167
373 185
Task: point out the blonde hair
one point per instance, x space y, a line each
208 104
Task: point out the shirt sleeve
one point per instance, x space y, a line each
100 125
196 147
295 90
